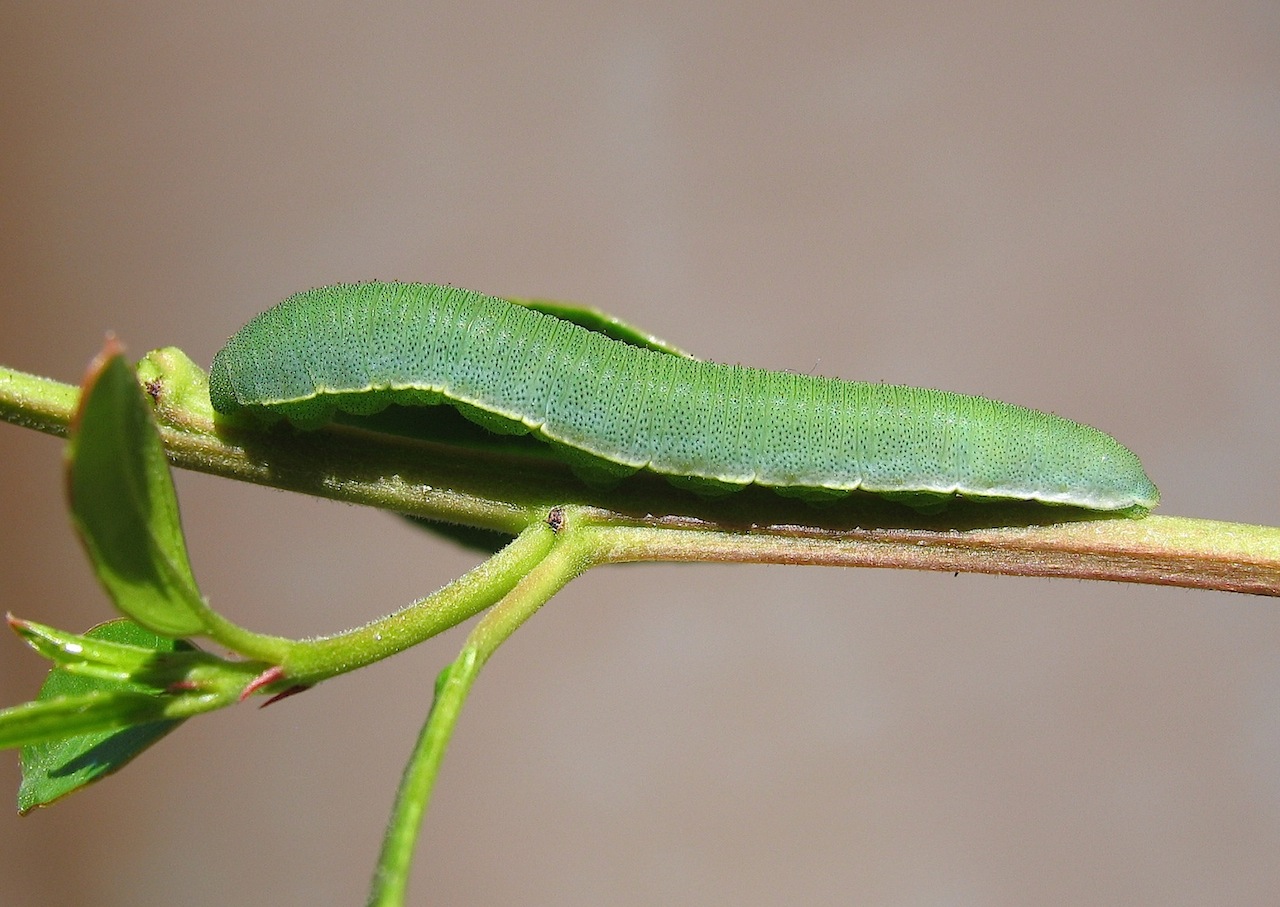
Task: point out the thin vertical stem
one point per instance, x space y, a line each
565 561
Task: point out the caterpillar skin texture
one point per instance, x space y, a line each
611 408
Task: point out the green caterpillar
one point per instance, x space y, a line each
611 407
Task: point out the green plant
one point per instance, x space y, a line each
119 688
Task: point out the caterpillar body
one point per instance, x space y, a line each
611 408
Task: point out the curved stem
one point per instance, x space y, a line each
310 661
572 553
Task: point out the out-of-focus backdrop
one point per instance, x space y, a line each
1074 207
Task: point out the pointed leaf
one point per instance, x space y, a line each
92 656
602 323
121 712
63 717
124 506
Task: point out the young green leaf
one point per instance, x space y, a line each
92 655
112 722
123 503
602 323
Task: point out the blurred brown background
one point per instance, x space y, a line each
1075 208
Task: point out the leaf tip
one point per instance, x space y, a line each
19 626
111 348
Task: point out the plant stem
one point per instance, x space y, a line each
1173 551
310 661
34 402
574 551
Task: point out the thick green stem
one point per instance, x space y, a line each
34 402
